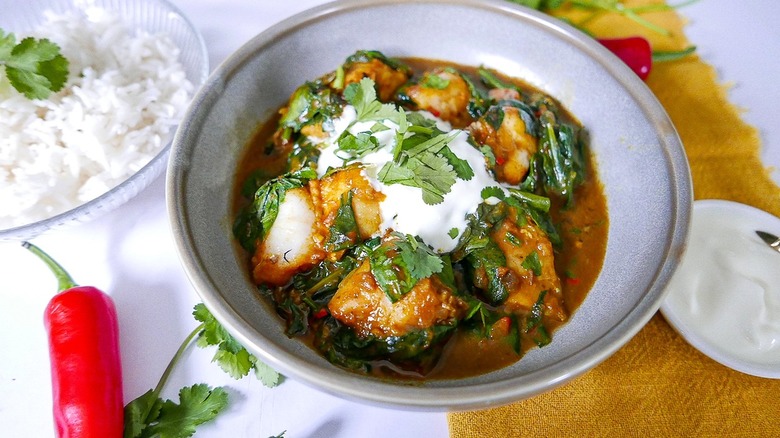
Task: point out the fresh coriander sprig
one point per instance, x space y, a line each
231 356
150 416
34 67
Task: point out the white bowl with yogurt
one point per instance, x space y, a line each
724 298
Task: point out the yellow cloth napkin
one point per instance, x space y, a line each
658 385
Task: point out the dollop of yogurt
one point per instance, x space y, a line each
403 208
727 288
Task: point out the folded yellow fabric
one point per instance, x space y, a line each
658 385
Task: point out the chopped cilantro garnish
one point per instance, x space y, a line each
421 155
514 240
493 192
362 96
400 262
435 81
533 263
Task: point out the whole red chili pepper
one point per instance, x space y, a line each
634 51
86 368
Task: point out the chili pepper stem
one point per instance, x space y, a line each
64 280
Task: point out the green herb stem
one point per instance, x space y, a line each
672 55
633 13
320 284
171 365
661 7
541 203
417 129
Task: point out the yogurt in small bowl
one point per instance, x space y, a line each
724 298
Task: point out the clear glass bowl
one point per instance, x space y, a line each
153 16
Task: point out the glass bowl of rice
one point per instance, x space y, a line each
83 151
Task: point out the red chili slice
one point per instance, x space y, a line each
634 51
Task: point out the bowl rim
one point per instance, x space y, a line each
410 396
135 182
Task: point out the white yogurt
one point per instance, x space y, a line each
725 296
403 208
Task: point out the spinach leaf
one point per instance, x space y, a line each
492 81
558 166
534 324
295 312
484 259
537 208
303 154
255 220
367 55
253 182
416 352
478 101
562 166
313 102
311 291
344 231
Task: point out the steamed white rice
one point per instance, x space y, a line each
125 92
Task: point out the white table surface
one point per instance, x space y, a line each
130 254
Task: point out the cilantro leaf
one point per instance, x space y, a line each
146 406
419 164
462 167
492 192
7 43
357 145
434 175
235 363
400 262
421 261
34 67
362 95
434 81
149 416
265 374
421 159
197 405
231 356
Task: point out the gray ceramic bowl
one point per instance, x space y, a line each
640 159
